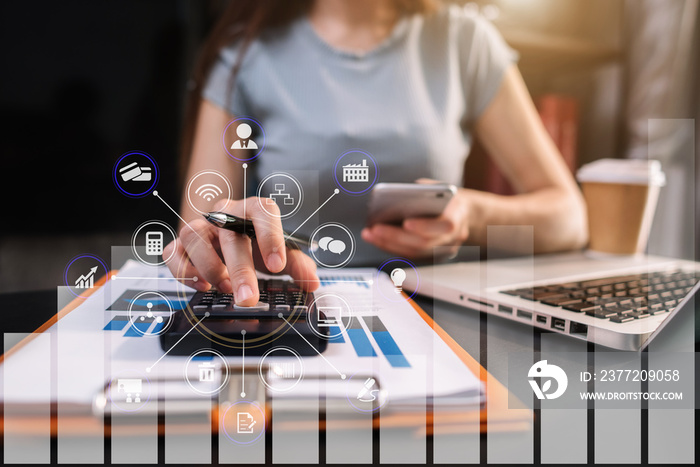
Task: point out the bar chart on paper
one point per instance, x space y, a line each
366 332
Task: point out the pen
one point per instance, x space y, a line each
245 227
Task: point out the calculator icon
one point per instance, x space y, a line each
154 243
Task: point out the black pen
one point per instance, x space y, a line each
245 227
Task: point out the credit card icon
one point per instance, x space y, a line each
134 173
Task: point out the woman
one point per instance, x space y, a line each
409 81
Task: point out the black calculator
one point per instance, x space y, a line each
282 317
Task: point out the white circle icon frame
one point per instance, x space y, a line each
188 190
296 183
135 236
348 315
313 241
224 380
132 321
267 354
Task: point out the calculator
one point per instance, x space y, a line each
280 318
154 243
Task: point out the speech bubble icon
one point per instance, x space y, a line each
323 243
337 246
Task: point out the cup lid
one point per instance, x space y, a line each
629 171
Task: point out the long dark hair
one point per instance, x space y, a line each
243 21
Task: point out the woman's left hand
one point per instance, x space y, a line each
418 237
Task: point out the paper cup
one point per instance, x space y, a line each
621 196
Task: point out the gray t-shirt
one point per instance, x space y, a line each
410 103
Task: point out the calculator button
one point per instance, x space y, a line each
200 307
261 306
281 307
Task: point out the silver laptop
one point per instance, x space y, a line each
620 302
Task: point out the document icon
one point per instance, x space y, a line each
245 422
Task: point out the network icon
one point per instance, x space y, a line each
280 194
283 191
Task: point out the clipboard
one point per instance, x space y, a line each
495 415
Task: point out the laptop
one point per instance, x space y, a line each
618 302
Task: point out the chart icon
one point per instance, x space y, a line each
82 274
86 281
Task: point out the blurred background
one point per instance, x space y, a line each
85 82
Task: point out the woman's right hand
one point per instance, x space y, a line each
228 260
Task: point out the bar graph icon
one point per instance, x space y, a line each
86 281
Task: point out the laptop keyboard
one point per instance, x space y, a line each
276 296
620 299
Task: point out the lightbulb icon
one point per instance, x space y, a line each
398 275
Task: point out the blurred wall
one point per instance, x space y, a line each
84 82
661 88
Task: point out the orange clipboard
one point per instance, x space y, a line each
494 415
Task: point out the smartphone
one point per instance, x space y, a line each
391 203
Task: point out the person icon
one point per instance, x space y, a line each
244 142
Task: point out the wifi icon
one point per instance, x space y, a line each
209 191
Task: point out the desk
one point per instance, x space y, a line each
577 434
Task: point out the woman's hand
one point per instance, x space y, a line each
228 260
418 237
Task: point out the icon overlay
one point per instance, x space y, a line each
206 188
135 174
333 245
243 139
80 272
355 172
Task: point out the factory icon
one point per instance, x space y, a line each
356 172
